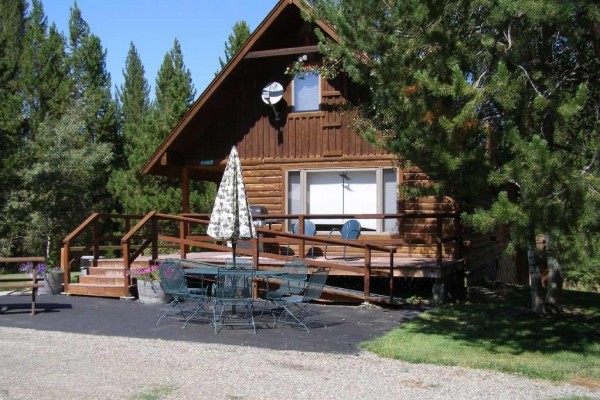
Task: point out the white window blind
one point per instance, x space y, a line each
307 96
342 192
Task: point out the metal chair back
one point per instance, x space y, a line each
315 285
351 230
310 229
172 278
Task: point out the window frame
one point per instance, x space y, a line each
319 95
303 180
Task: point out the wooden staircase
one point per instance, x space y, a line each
105 280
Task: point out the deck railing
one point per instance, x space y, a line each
148 232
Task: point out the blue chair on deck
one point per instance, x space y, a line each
310 229
349 231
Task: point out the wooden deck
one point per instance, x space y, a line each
104 280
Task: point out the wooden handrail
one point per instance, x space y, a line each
137 227
79 230
186 240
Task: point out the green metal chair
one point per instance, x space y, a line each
293 282
173 282
233 290
294 308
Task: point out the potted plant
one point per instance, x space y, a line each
148 285
53 277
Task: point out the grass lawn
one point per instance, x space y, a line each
494 330
25 276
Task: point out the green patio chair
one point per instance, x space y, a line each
173 282
231 294
294 308
293 282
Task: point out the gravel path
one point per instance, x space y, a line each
78 366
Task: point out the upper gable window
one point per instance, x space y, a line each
307 92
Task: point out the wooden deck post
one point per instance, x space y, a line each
391 281
185 190
64 264
367 274
95 243
439 241
301 244
154 238
184 229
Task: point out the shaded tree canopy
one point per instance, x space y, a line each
499 102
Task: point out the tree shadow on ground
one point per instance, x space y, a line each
500 318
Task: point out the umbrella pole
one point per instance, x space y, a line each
233 244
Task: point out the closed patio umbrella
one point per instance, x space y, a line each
231 218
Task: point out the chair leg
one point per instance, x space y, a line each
175 303
287 312
196 313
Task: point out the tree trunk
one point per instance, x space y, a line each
537 300
555 282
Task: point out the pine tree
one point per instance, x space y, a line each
12 32
498 101
57 190
91 80
144 129
92 85
235 40
43 78
134 102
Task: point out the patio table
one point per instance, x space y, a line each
219 270
238 299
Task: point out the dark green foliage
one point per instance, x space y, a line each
144 128
236 39
43 75
499 102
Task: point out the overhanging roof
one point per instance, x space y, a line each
157 164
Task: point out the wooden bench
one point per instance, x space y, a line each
23 283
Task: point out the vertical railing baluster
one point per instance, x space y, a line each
301 244
367 274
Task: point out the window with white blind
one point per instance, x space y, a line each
307 92
358 191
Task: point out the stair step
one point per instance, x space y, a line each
107 271
102 279
88 289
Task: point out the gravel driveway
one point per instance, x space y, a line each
40 365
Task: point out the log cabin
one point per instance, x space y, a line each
302 160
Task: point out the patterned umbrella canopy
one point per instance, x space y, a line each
231 218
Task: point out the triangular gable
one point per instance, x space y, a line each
153 165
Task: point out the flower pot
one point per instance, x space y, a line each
54 282
151 293
44 289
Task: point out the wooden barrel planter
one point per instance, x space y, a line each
151 293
